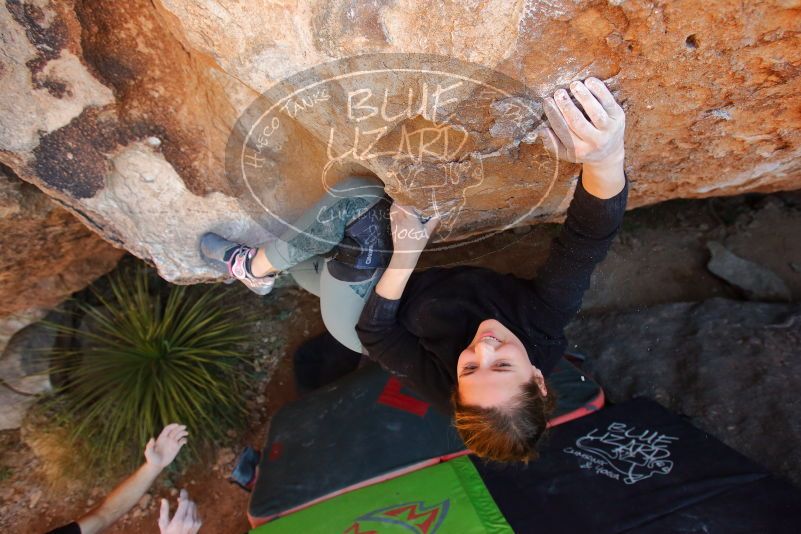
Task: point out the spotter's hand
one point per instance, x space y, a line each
162 451
186 519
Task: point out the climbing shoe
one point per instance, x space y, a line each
365 246
235 259
246 469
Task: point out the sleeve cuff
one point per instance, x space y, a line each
585 197
379 310
598 217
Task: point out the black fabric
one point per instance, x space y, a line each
420 336
366 244
322 360
72 528
635 467
352 430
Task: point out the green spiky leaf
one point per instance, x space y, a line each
145 361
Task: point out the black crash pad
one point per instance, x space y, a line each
635 467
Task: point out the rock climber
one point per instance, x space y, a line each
471 341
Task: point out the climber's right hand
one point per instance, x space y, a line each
570 136
409 237
409 233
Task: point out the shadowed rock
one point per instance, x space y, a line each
756 281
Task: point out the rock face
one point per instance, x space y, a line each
730 366
24 372
757 282
122 111
47 254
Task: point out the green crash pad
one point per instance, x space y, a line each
447 497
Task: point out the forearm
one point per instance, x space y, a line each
395 278
605 179
582 243
121 499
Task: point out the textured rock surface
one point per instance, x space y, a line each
731 366
122 110
756 281
47 254
24 372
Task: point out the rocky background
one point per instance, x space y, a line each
114 119
120 111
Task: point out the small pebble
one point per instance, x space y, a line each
35 498
144 502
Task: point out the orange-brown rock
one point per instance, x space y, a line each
122 110
47 253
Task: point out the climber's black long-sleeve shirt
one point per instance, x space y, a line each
419 337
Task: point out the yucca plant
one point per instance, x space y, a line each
143 361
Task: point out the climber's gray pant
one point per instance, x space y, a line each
300 251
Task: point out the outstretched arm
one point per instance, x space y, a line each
596 211
597 144
384 338
159 453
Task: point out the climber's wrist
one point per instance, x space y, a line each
394 279
604 179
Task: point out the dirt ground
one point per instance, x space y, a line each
30 502
659 257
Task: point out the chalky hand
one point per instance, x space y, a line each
571 137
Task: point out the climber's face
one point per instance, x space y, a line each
493 368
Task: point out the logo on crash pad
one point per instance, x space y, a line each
623 452
412 516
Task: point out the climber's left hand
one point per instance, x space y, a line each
597 142
570 136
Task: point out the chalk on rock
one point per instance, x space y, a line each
756 281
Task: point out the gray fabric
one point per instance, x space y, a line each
299 251
307 274
322 226
341 305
